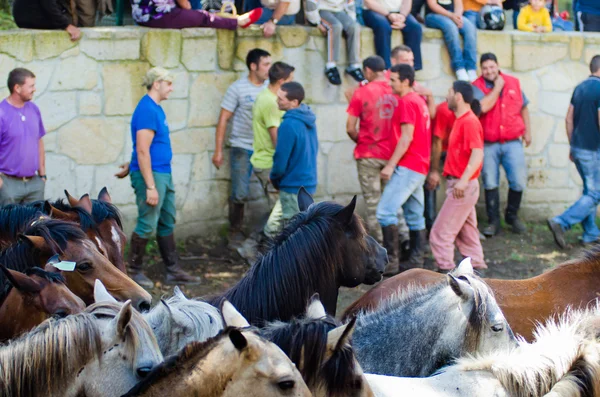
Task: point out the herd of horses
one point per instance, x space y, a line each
72 323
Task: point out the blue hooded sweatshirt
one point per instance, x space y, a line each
295 159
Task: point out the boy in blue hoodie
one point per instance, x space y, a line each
295 159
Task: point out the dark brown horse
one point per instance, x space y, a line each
47 237
32 298
574 283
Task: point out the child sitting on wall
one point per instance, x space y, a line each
535 17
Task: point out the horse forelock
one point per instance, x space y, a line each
478 317
101 211
48 276
42 360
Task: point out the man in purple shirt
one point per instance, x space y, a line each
21 146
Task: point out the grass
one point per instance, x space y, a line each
6 21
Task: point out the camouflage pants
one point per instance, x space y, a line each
372 186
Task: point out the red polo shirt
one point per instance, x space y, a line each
443 122
467 134
412 109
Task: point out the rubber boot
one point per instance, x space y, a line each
492 205
137 250
390 243
168 252
236 220
512 208
417 250
404 252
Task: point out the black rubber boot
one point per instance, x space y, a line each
137 250
236 221
390 243
512 208
168 252
417 250
492 205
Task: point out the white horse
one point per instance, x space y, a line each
564 361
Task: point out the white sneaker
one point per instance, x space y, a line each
461 74
472 75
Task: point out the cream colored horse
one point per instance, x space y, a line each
235 363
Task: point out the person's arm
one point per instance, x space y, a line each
377 7
569 121
458 7
280 10
405 8
273 135
401 148
143 140
526 120
185 4
352 127
547 22
285 145
42 158
489 101
475 161
58 19
224 117
433 178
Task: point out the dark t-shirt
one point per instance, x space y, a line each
586 103
446 4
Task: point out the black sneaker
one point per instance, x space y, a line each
356 74
558 232
333 76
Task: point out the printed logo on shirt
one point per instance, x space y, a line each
386 105
249 99
445 2
426 116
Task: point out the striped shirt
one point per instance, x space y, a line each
238 99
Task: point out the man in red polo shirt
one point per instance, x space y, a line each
406 171
457 219
505 122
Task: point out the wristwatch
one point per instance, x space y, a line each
274 20
44 177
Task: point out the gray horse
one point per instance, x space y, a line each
423 329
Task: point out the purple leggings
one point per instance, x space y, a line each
181 18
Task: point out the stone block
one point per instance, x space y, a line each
343 177
111 50
396 38
555 103
536 161
498 42
43 70
177 113
51 43
206 94
550 195
181 84
196 140
6 65
563 76
72 52
530 56
50 142
199 55
542 127
57 108
84 182
548 178
293 36
558 155
590 52
432 60
560 135
18 44
191 33
181 169
574 175
162 47
273 45
331 123
90 103
207 200
531 86
123 86
432 34
225 48
316 86
75 73
201 167
367 42
61 176
93 140
576 47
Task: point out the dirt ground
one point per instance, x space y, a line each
508 256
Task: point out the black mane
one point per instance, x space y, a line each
101 211
305 258
14 218
305 341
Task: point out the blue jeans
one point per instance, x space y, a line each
473 16
510 154
584 209
196 4
405 189
241 171
460 59
382 30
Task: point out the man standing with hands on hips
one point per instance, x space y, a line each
21 145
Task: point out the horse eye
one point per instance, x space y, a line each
84 266
286 385
498 327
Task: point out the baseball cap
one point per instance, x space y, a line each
157 74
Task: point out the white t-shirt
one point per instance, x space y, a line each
272 4
389 5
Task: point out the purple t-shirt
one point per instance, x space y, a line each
20 132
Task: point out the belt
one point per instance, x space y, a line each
20 178
450 177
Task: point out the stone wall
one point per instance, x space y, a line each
88 90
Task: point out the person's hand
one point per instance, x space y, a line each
74 32
268 29
322 29
527 139
499 82
398 25
217 159
459 189
422 90
401 18
570 158
1 182
151 197
433 180
457 19
386 172
124 171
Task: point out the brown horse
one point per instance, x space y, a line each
32 298
49 237
525 303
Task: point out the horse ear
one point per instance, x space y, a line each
338 337
179 293
72 200
304 199
232 317
123 319
461 288
101 294
345 214
21 281
104 196
85 203
238 339
315 309
55 213
464 268
36 242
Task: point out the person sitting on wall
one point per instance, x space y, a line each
45 14
178 14
535 17
274 12
472 8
